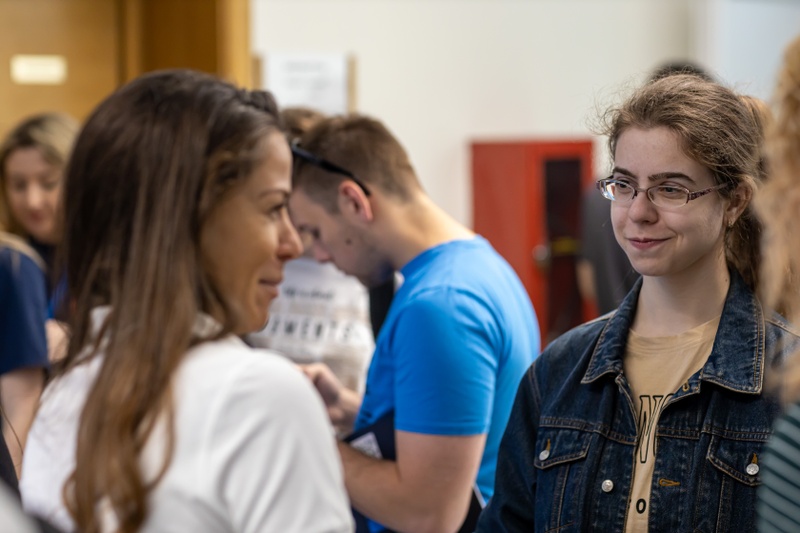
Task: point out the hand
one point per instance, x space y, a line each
342 403
326 383
57 340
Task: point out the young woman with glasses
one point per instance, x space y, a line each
654 417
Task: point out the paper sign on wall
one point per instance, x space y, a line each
320 81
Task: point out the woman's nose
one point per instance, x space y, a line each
641 208
291 246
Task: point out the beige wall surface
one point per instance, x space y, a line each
444 72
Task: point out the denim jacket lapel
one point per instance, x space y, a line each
734 364
610 347
737 359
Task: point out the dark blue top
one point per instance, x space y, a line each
23 311
55 288
566 459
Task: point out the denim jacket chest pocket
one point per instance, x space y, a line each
560 477
727 485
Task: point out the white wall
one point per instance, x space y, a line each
744 40
441 73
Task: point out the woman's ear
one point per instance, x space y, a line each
738 202
353 201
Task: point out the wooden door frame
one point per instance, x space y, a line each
231 35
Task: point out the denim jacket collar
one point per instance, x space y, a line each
733 364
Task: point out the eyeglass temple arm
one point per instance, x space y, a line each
698 194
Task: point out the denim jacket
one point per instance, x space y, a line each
567 457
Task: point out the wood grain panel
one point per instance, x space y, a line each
107 42
85 32
179 34
234 58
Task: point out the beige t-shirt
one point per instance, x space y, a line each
656 367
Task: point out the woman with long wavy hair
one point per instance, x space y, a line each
779 205
176 234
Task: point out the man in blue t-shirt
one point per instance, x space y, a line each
458 337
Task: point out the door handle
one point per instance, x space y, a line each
542 256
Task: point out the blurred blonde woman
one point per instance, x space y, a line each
779 207
32 160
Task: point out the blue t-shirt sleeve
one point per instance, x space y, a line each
446 364
23 342
57 298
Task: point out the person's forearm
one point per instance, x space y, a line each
15 445
377 489
19 394
57 340
16 427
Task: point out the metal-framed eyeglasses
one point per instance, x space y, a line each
664 195
326 165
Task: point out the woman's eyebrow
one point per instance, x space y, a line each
655 177
620 170
267 192
670 175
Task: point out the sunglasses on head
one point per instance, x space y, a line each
326 165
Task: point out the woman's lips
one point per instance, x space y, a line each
270 286
34 218
645 243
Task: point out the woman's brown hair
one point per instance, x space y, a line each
716 129
147 169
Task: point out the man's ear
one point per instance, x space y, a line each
353 201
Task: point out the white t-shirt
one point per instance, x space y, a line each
254 451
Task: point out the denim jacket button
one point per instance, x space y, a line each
752 469
544 455
607 485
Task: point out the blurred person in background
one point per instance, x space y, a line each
32 160
779 205
297 121
23 344
459 334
